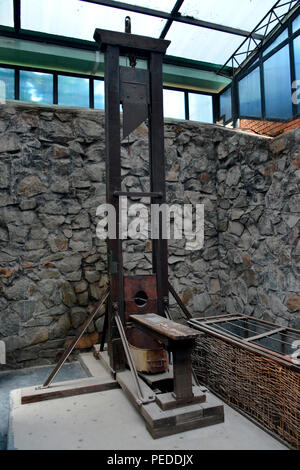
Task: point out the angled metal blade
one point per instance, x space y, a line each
133 116
134 97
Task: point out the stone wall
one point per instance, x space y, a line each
259 225
53 267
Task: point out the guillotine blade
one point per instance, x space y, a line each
135 98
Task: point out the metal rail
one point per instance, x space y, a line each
130 361
76 339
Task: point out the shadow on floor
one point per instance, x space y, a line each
14 379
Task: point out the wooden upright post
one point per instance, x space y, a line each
113 183
158 180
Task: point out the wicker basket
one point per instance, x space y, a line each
263 389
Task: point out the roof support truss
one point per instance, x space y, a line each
277 16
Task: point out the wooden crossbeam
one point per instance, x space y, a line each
67 389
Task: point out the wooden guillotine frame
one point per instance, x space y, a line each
137 316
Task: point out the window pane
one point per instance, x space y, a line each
7 84
77 19
250 94
296 24
99 96
226 105
73 91
278 85
7 12
174 106
297 69
35 86
277 41
201 108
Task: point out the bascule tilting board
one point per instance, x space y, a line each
146 353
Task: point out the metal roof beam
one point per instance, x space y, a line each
168 25
173 17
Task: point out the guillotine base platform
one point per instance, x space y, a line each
166 422
159 422
106 420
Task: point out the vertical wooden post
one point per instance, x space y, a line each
182 365
113 183
157 168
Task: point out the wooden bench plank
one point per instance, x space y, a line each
170 329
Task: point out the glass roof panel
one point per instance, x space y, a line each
165 5
54 18
243 15
7 12
206 45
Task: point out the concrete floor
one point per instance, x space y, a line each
15 379
108 421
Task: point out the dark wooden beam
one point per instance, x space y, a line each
113 183
130 42
158 179
67 389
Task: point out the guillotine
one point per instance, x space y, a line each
137 313
147 353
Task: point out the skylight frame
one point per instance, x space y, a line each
170 18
